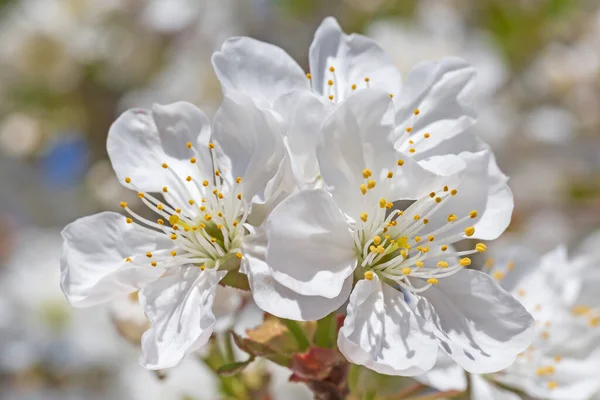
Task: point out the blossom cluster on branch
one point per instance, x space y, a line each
336 198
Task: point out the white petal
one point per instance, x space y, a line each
354 57
478 324
249 144
93 266
276 299
436 89
482 389
445 375
302 113
357 135
478 191
179 307
310 249
140 141
260 70
382 333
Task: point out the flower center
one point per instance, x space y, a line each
204 219
398 244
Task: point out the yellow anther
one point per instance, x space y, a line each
510 266
207 217
189 178
549 370
202 225
581 310
363 188
417 239
178 210
217 172
377 240
213 239
239 196
406 271
153 263
141 195
400 212
465 261
412 150
552 385
417 217
191 202
453 192
238 255
174 219
235 223
330 82
389 205
431 238
173 253
194 227
469 231
442 264
309 76
432 281
419 263
165 189
521 292
149 255
371 183
382 203
438 199
331 69
498 275
369 275
123 204
432 195
128 180
411 142
480 247
193 160
390 174
557 358
391 95
394 222
188 145
594 321
205 183
366 173
219 226
159 207
128 220
202 208
400 163
202 267
426 135
160 221
489 263
353 86
372 249
238 179
473 214
367 79
416 112
330 97
444 248
173 236
220 195
409 129
380 249
165 165
404 253
211 145
451 218
128 259
364 217
220 214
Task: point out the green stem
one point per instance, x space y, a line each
298 334
229 354
325 333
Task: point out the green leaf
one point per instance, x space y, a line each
325 336
234 368
236 280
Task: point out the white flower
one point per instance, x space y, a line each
428 107
561 294
411 289
177 260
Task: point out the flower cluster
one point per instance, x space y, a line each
344 185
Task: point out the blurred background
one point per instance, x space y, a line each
68 68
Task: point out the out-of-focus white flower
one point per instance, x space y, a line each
209 191
20 134
561 294
412 291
